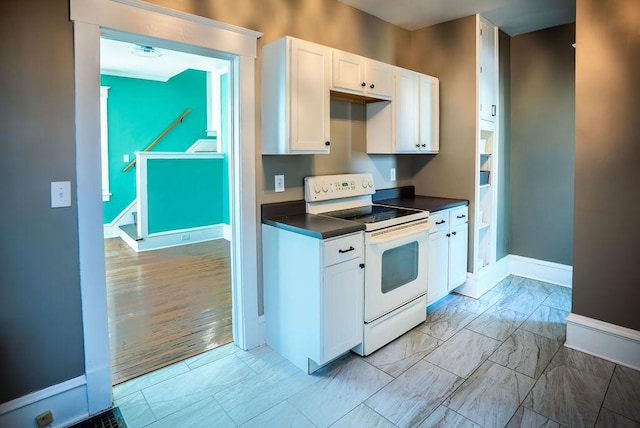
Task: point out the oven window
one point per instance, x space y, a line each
399 266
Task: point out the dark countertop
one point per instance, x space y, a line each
426 203
291 215
316 226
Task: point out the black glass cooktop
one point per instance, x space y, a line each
370 213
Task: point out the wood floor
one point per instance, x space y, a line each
166 305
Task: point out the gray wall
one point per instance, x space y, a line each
504 148
40 319
607 181
542 144
448 51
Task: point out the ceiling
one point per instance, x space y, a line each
116 59
511 16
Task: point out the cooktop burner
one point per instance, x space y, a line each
371 213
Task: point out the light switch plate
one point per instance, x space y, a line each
279 183
392 174
60 194
125 158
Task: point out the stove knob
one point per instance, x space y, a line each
316 188
325 188
370 183
364 184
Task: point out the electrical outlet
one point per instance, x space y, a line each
279 183
392 174
44 419
185 236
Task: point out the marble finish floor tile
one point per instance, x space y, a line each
548 322
491 395
525 300
446 321
525 418
534 285
262 358
477 306
567 395
445 417
412 396
463 353
402 353
497 323
623 396
610 419
180 391
526 353
211 356
363 416
200 414
583 362
139 383
559 299
509 285
245 400
135 410
340 387
284 415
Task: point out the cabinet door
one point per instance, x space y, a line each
429 114
309 92
407 105
487 83
348 73
458 241
379 80
438 266
342 316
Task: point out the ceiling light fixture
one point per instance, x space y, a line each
145 51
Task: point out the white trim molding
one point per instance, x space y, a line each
67 402
488 277
176 238
541 270
602 339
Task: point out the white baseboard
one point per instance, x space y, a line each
609 341
554 273
112 230
67 402
176 238
487 278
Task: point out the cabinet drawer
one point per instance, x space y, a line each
342 249
439 221
459 216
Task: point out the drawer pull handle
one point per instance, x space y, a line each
461 216
440 222
448 235
453 233
347 250
361 265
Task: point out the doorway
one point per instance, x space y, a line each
192 34
166 214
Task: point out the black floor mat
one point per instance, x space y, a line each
111 418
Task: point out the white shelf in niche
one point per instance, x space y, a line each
483 226
485 186
485 154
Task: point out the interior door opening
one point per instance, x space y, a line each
166 207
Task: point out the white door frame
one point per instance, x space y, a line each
193 34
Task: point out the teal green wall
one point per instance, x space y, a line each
224 140
138 111
185 193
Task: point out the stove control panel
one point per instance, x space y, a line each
328 187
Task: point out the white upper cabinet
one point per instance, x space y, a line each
487 72
411 122
407 111
357 75
295 97
429 114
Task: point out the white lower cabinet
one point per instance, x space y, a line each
448 243
313 295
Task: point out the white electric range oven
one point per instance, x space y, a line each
396 254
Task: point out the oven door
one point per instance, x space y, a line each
396 267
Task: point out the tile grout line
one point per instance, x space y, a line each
613 372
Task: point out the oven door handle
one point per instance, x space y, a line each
416 233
